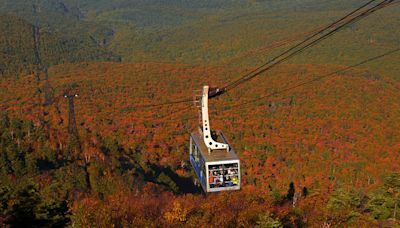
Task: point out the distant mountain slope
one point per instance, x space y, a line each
64 37
17 45
213 32
208 32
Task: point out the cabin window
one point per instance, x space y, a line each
221 176
203 172
196 154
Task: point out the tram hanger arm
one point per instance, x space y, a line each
210 143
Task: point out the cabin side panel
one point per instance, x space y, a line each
198 163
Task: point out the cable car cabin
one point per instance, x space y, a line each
212 157
218 170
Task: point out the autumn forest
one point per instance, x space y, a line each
96 102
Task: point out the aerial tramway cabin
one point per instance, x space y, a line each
214 160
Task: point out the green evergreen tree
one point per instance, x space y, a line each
384 202
23 212
344 205
29 210
267 221
4 198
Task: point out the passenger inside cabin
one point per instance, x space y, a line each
212 179
235 180
221 180
230 171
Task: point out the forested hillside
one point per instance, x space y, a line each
205 32
319 139
94 133
51 29
217 32
19 47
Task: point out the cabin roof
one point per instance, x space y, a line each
214 155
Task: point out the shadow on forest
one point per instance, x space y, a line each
167 177
164 176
